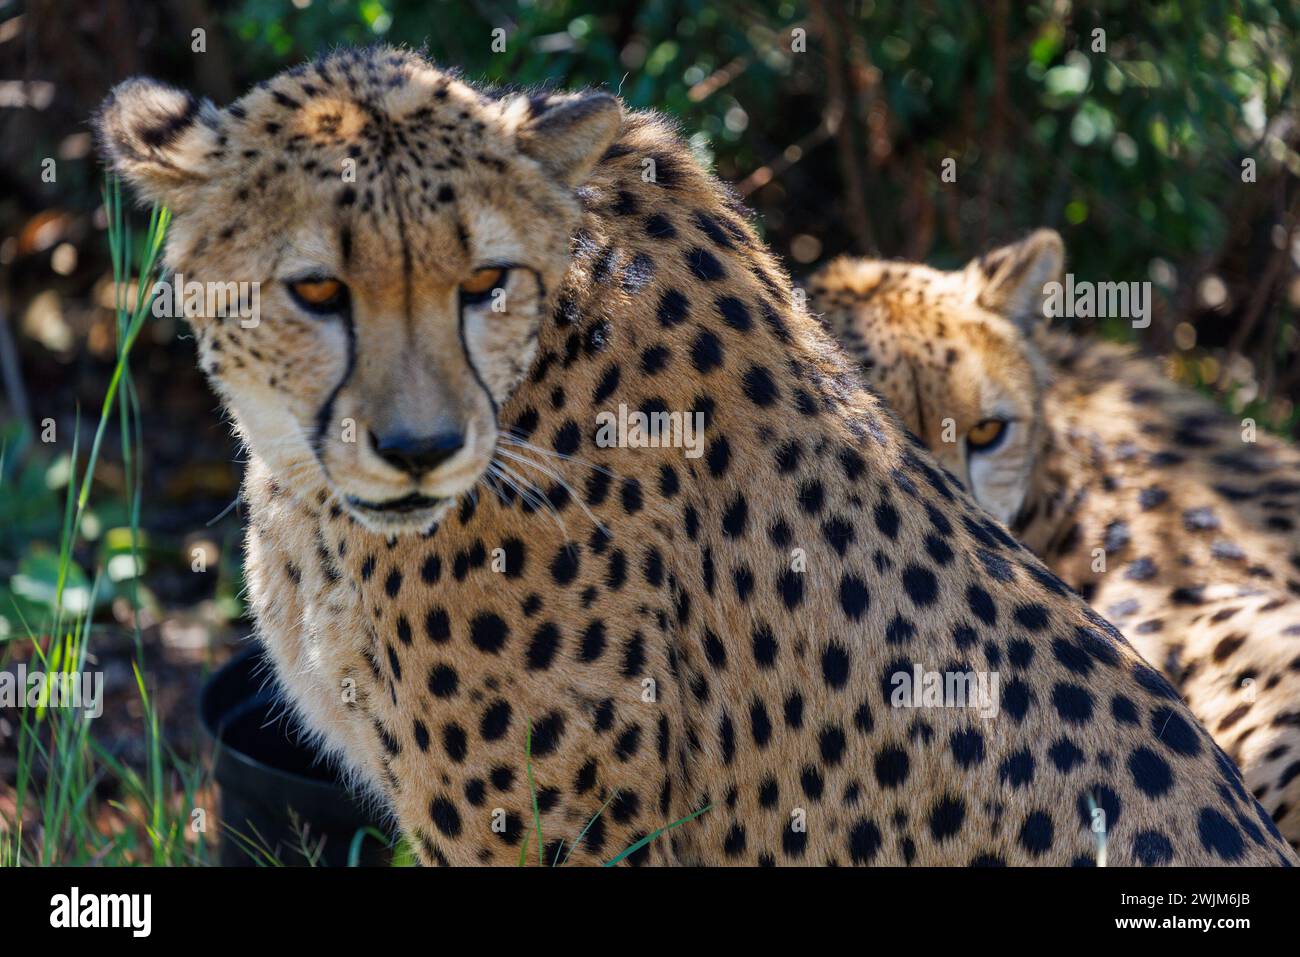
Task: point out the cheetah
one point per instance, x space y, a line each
531 644
1159 509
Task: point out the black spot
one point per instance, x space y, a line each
585 779
734 519
759 723
704 265
967 747
1099 796
981 605
838 534
437 625
947 817
886 517
515 557
714 649
718 456
1175 732
1218 835
892 767
1017 699
454 742
790 585
733 844
631 496
547 733
1020 653
616 572
734 313
1152 849
1065 755
1123 709
831 742
854 598
658 227
1036 833
1034 617
1152 497
706 352
443 681
541 649
564 567
794 711
627 743
864 841
567 438
899 631
393 583
787 456
1018 769
1154 682
811 496
835 665
759 387
593 642
488 632
727 738
921 585
1150 772
495 722
653 567
445 816
654 359
669 484
853 464
1073 702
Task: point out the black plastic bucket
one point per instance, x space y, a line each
274 787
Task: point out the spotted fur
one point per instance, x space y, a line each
648 629
1171 518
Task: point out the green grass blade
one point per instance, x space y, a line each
654 834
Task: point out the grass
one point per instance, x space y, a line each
62 770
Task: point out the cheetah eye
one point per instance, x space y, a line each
478 287
987 435
321 295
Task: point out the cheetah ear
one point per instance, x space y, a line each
1010 280
158 138
568 135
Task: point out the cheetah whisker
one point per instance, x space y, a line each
551 473
518 442
490 480
529 492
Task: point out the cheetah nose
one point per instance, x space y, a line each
416 454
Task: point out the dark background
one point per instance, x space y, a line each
1135 154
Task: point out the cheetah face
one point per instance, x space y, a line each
406 234
949 352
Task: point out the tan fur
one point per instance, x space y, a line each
643 618
1196 527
